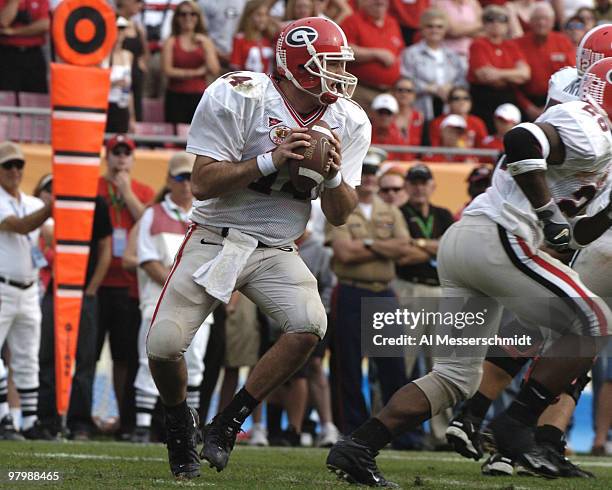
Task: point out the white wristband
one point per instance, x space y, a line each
265 164
334 181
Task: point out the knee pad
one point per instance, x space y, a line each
511 365
165 341
440 392
307 315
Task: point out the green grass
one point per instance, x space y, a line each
113 465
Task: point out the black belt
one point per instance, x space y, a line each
16 284
225 231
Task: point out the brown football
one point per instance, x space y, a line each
309 172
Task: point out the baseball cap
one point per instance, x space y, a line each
385 101
480 173
122 22
120 139
453 121
10 151
181 163
419 172
375 156
508 112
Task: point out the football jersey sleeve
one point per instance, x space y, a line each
218 126
562 86
355 144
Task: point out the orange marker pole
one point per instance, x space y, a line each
84 33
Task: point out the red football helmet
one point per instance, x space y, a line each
595 45
596 85
302 52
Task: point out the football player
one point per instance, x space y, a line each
246 128
560 162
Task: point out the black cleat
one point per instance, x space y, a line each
219 438
354 463
39 432
8 431
567 469
463 433
497 465
516 441
182 443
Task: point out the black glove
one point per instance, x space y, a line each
557 231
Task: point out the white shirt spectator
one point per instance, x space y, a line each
222 21
15 249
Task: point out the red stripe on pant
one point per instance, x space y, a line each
601 318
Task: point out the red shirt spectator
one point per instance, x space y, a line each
483 52
384 129
382 39
252 55
476 131
408 14
189 60
28 12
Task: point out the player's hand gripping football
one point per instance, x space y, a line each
286 150
557 231
335 157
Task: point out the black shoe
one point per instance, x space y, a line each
567 469
8 431
182 444
39 432
497 465
219 438
463 433
355 463
141 435
516 441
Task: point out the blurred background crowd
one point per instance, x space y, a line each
435 73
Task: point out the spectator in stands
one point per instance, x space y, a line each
23 33
118 294
545 52
135 41
156 17
408 120
464 23
587 16
392 188
188 57
20 259
603 11
453 134
222 23
575 29
460 103
384 110
365 250
433 67
478 181
120 117
376 38
253 50
408 15
497 65
337 10
505 117
519 15
79 421
298 9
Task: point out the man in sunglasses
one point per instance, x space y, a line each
20 258
118 294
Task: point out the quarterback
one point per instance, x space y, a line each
246 217
552 169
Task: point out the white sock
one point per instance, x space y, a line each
193 396
28 421
143 419
4 410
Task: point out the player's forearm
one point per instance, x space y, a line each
338 203
414 255
393 248
589 229
212 178
28 223
40 26
534 186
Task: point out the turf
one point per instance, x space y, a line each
112 465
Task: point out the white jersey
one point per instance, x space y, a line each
563 86
244 114
574 184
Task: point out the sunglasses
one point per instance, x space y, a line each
456 98
121 150
574 26
187 14
385 190
18 164
404 90
384 112
435 26
495 18
182 177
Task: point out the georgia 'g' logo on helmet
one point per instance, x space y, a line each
300 36
305 52
595 45
596 85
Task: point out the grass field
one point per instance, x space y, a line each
121 465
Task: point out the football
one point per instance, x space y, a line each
309 172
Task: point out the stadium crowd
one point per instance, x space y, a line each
440 73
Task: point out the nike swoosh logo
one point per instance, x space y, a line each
538 394
564 233
374 477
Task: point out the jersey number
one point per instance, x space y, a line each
593 112
571 207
